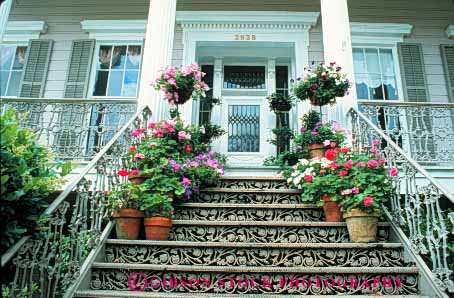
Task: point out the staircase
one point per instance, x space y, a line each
251 237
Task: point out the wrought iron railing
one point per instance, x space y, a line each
420 209
425 130
74 226
72 128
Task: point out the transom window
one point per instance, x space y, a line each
375 74
12 60
244 77
117 70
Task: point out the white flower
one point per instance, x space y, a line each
289 180
304 162
326 143
297 180
309 171
296 173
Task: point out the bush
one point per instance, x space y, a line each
28 176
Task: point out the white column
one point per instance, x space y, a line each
157 53
337 48
4 14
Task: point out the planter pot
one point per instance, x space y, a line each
316 150
281 108
362 226
157 228
331 210
127 223
138 179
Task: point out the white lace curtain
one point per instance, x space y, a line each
374 67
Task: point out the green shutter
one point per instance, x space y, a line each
447 55
413 74
35 70
79 68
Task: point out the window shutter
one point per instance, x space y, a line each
36 66
413 74
79 68
447 54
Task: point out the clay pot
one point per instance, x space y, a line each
157 228
316 150
138 179
331 210
362 226
127 223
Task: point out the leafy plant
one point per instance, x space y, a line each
28 175
283 136
322 85
210 102
127 195
211 132
24 292
279 102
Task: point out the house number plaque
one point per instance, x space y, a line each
245 37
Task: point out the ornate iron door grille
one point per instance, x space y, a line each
244 128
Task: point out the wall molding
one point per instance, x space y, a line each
113 30
379 33
450 31
23 31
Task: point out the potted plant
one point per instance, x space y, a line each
280 103
315 135
319 184
179 85
322 85
366 185
125 202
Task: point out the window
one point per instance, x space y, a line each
12 60
117 70
244 77
282 80
375 74
205 109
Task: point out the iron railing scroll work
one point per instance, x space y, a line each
74 226
420 210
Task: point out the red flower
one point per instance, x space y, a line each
344 150
134 172
308 178
132 149
187 148
122 173
393 172
372 163
368 201
330 154
348 164
343 173
334 165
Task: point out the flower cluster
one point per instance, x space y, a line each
322 84
179 85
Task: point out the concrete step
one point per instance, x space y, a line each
254 254
265 232
248 196
248 212
254 280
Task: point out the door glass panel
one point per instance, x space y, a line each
244 128
244 77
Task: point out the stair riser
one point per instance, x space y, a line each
251 214
253 184
283 257
254 283
247 198
267 234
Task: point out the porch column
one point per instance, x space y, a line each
157 53
337 48
5 8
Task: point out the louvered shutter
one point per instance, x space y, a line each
36 66
79 68
447 54
419 123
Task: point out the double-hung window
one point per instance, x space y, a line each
375 73
12 60
117 70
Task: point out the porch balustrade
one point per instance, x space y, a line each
425 130
73 129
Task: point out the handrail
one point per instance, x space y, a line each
73 228
405 103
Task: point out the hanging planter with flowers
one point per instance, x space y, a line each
322 85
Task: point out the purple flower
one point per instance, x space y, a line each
303 129
313 132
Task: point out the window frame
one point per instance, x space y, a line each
399 89
16 45
251 63
92 79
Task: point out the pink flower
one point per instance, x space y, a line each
158 134
344 150
333 144
374 150
172 81
185 182
139 156
183 136
308 178
355 190
360 164
152 125
137 132
393 172
122 173
187 148
134 172
334 165
326 143
348 164
194 164
382 160
368 201
171 122
132 149
375 142
343 173
372 163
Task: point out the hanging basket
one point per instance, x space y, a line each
184 95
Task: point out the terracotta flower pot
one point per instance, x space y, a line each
316 150
331 210
157 228
362 226
127 223
138 179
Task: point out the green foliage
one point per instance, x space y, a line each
28 176
210 102
279 102
322 85
127 195
23 293
210 132
311 119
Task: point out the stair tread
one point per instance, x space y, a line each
246 205
258 178
243 269
252 190
108 294
254 244
265 223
